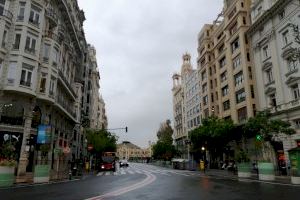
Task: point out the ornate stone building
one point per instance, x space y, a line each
273 39
42 57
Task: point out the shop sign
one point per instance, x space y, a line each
44 134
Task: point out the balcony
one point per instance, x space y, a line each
51 35
25 83
66 106
7 14
30 51
52 16
66 82
285 107
34 22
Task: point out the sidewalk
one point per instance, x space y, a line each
228 174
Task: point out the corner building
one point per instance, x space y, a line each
276 67
225 66
41 61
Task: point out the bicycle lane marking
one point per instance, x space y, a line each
148 180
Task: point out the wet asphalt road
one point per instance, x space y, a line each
146 182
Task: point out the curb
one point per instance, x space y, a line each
22 185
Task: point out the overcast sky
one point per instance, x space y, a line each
139 45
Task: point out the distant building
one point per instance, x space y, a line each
186 104
129 151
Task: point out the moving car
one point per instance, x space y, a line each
123 163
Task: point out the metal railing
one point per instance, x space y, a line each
62 76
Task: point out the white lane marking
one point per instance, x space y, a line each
138 171
100 173
148 180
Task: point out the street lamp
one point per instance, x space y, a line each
203 152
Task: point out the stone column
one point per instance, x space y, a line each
23 161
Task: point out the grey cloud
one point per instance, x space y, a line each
139 46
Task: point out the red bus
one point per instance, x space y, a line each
108 161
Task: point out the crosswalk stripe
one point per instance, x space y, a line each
130 172
122 172
107 173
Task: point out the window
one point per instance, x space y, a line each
203 76
225 90
285 38
226 105
295 91
212 97
204 87
252 91
269 76
259 10
26 77
297 124
240 96
238 78
281 15
235 45
2 4
292 65
222 62
242 114
34 17
231 14
43 83
12 72
17 41
250 72
224 76
272 99
265 52
55 56
221 48
4 38
233 29
46 52
21 11
30 45
236 62
205 100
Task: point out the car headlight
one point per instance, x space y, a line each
102 167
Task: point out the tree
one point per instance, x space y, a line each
101 140
214 134
164 148
165 132
265 130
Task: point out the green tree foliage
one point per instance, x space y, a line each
101 140
165 133
214 134
213 130
164 148
263 125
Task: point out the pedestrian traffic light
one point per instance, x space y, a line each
126 129
258 137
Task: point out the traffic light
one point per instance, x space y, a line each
258 137
126 129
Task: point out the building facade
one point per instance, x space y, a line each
42 57
225 65
186 104
127 150
274 41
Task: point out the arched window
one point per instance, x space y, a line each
36 117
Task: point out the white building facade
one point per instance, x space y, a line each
276 68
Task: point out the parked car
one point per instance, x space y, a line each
123 163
